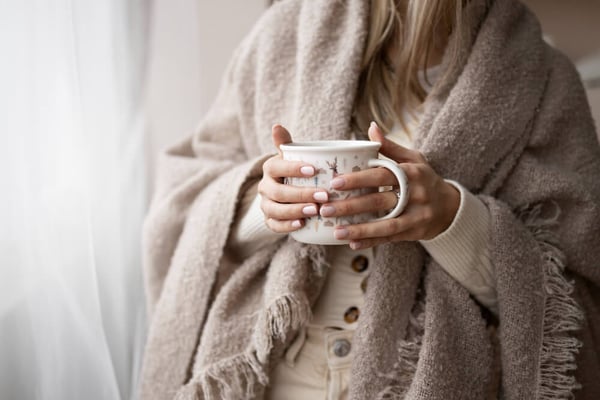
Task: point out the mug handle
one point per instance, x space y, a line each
402 183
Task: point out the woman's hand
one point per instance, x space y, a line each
286 206
431 208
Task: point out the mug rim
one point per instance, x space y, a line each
331 145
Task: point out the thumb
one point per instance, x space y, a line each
392 150
280 136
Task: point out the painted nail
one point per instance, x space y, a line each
309 210
355 245
327 211
321 196
296 224
341 233
337 183
307 170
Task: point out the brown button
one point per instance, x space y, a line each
360 263
351 315
363 285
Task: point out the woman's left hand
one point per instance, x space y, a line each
432 205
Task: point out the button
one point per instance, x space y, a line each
363 285
351 315
341 347
360 263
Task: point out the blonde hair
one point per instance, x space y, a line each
414 28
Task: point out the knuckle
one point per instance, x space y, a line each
279 193
419 195
274 225
261 187
409 170
418 171
427 215
268 166
379 202
306 196
344 208
391 227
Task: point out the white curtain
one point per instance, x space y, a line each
72 198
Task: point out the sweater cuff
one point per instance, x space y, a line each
249 232
462 248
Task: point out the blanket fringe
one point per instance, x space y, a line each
318 257
403 371
562 314
285 314
239 377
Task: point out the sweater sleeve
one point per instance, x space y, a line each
249 232
462 249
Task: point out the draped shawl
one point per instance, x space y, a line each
510 122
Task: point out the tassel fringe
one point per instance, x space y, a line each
285 314
317 256
562 314
240 377
403 371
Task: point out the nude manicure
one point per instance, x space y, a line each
308 171
309 210
321 196
341 233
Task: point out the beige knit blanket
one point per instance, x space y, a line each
511 124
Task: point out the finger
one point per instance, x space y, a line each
369 203
284 226
407 236
277 168
417 173
282 193
368 178
281 211
280 136
377 229
392 150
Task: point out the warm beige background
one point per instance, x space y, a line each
192 40
574 27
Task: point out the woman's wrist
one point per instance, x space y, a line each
450 203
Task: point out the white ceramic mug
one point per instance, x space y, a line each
331 158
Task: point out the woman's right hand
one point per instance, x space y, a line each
286 206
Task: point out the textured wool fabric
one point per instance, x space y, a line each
510 123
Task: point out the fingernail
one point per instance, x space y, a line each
373 125
327 211
337 183
309 210
296 224
308 171
341 233
355 245
321 196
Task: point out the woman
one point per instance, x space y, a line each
484 287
